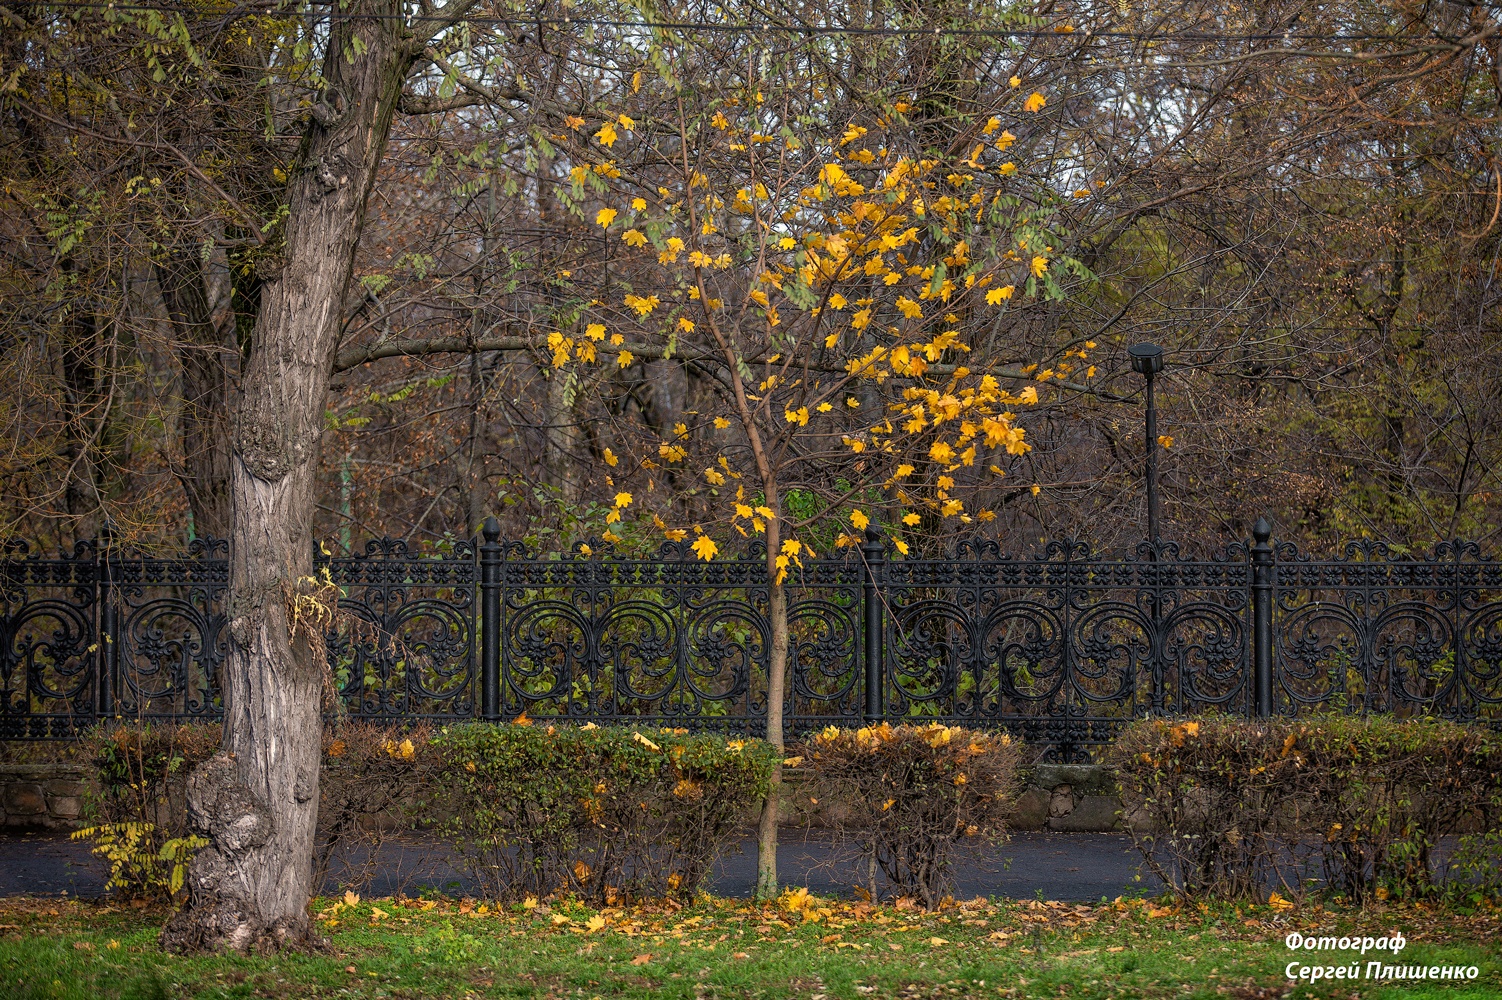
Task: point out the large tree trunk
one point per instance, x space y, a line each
257 799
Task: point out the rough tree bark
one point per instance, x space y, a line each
257 800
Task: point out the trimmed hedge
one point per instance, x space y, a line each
1238 808
607 814
904 797
604 814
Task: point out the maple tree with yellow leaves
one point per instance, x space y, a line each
833 277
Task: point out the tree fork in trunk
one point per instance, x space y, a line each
257 799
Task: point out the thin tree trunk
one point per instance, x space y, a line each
766 834
258 798
561 437
777 615
203 419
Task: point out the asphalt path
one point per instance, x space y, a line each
1063 866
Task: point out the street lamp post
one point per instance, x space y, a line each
1147 361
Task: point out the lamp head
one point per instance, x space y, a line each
1147 359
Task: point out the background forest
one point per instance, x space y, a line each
1300 201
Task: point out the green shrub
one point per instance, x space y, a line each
901 798
605 814
137 802
1236 808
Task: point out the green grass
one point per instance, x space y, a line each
807 948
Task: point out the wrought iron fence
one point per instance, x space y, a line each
1062 647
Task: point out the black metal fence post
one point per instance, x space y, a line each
874 553
490 621
1262 617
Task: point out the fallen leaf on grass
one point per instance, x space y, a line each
559 918
1117 948
641 959
351 898
740 954
937 941
349 968
595 922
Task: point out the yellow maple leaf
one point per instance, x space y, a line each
604 217
607 134
859 520
1035 102
705 548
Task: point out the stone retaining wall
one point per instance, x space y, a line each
47 795
1070 798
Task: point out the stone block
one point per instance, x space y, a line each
62 786
24 798
65 807
1061 802
1030 811
1137 820
1092 814
1085 779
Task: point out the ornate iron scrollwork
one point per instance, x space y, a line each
1063 646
